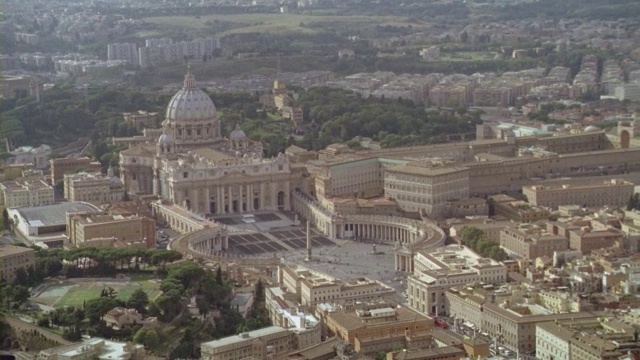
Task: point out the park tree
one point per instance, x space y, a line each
219 275
22 278
216 295
139 301
20 294
97 307
170 304
475 239
72 333
5 219
164 257
151 339
67 317
171 284
187 272
202 304
5 295
43 321
139 336
259 291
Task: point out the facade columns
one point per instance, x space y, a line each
262 193
241 200
207 201
287 194
250 196
193 200
230 189
220 199
274 197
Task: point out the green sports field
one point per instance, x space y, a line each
75 294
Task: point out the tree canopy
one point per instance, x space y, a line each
340 115
475 239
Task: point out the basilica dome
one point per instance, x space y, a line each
237 134
190 103
165 139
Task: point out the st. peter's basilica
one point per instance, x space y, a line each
192 165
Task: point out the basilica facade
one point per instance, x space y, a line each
191 164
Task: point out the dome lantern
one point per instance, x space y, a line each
191 103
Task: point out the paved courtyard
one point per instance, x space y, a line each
282 236
268 234
351 259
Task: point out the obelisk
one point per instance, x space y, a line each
308 242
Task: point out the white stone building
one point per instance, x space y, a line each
94 188
38 156
31 193
313 287
437 271
427 186
272 342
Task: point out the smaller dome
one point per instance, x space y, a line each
591 128
237 134
165 139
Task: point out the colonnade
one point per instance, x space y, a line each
404 261
384 232
208 241
179 219
409 235
321 218
235 198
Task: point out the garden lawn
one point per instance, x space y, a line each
78 295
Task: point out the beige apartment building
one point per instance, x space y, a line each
513 325
589 339
516 210
62 166
29 193
443 353
13 258
437 271
531 241
91 229
615 192
426 186
359 177
119 317
314 287
586 239
94 188
271 342
378 329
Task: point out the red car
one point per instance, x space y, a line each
440 323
